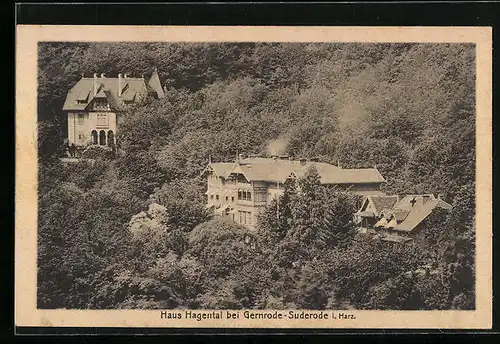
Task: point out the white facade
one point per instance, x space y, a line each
242 190
85 128
241 202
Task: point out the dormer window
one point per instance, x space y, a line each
83 98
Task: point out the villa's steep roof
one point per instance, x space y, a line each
155 84
132 90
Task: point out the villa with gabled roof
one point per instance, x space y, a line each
94 106
241 189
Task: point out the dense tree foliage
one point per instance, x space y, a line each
131 231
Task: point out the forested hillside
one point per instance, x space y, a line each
131 231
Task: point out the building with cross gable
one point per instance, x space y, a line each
395 218
241 190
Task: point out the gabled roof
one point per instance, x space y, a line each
133 90
400 214
378 204
221 169
84 89
381 203
408 202
101 93
419 207
262 169
352 176
114 101
279 170
84 95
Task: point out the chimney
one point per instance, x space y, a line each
120 76
95 84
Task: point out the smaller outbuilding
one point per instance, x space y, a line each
397 219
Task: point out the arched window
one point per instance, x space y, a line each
102 138
111 138
94 137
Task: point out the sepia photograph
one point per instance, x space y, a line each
279 177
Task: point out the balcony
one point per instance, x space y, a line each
101 107
260 203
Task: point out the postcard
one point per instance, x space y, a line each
253 177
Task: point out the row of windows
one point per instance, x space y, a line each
102 138
102 119
244 195
217 198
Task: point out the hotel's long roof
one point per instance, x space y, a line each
279 170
